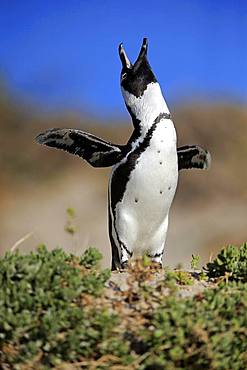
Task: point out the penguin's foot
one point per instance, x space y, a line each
124 266
156 259
120 266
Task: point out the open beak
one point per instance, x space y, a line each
124 59
142 54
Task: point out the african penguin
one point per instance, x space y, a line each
144 177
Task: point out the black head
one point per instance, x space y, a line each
136 77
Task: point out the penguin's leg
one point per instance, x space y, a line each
120 254
97 152
121 232
125 255
124 234
193 156
157 245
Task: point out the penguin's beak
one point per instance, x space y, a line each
143 53
124 59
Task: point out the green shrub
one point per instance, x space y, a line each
91 258
204 332
231 263
41 310
180 277
56 311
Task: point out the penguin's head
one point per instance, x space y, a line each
140 89
136 77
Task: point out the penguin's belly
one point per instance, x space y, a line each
142 215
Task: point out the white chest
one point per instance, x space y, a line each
150 190
152 183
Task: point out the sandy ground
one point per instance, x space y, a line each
201 228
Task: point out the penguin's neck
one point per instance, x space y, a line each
146 108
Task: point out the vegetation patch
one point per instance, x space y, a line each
231 263
62 311
180 277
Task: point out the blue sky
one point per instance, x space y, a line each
63 54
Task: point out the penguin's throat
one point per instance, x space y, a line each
146 108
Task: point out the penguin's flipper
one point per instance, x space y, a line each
95 151
193 156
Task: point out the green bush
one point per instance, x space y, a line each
41 310
56 311
231 263
204 332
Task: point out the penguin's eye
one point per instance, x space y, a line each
124 75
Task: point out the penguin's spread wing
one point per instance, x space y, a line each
97 152
193 156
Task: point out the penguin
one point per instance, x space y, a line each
144 174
